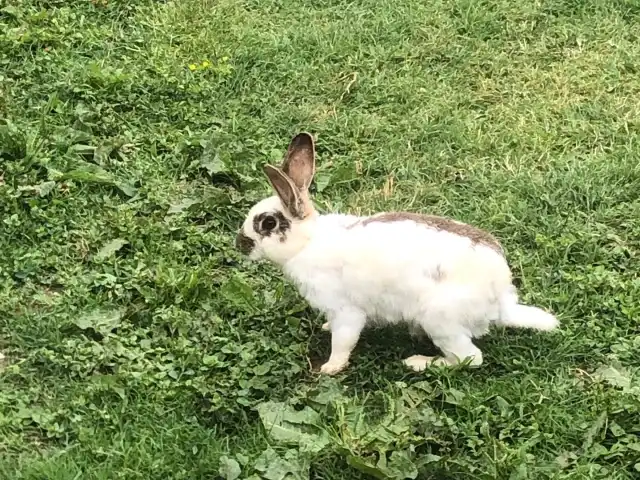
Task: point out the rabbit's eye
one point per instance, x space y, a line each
268 223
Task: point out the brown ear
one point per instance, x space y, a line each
289 194
300 161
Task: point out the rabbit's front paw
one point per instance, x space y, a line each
331 368
418 363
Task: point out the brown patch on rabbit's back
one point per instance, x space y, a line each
476 235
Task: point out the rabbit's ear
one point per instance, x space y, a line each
289 194
300 161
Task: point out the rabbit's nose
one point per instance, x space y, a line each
244 243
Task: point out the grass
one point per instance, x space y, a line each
139 344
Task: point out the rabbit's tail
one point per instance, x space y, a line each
514 314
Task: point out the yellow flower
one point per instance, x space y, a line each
192 67
206 64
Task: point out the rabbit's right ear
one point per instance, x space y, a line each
300 161
289 194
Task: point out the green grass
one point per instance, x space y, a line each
139 344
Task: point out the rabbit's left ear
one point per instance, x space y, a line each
285 188
300 161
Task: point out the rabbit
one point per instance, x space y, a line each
440 276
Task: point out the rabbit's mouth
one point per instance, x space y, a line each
244 243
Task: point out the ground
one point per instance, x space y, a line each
139 344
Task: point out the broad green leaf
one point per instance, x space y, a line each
108 149
616 429
594 430
503 405
322 181
635 446
81 149
238 292
45 188
125 187
273 413
453 396
274 467
365 467
429 458
42 189
229 468
120 391
110 248
210 360
520 472
182 205
616 376
102 321
90 173
292 427
262 369
12 11
353 418
212 162
328 391
401 466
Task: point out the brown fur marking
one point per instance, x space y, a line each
474 234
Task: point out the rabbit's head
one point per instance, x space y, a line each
278 227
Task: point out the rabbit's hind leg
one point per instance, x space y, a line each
455 349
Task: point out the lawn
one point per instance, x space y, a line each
139 344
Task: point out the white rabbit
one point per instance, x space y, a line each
444 277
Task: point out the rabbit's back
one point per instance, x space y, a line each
393 271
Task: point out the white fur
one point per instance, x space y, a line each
395 272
